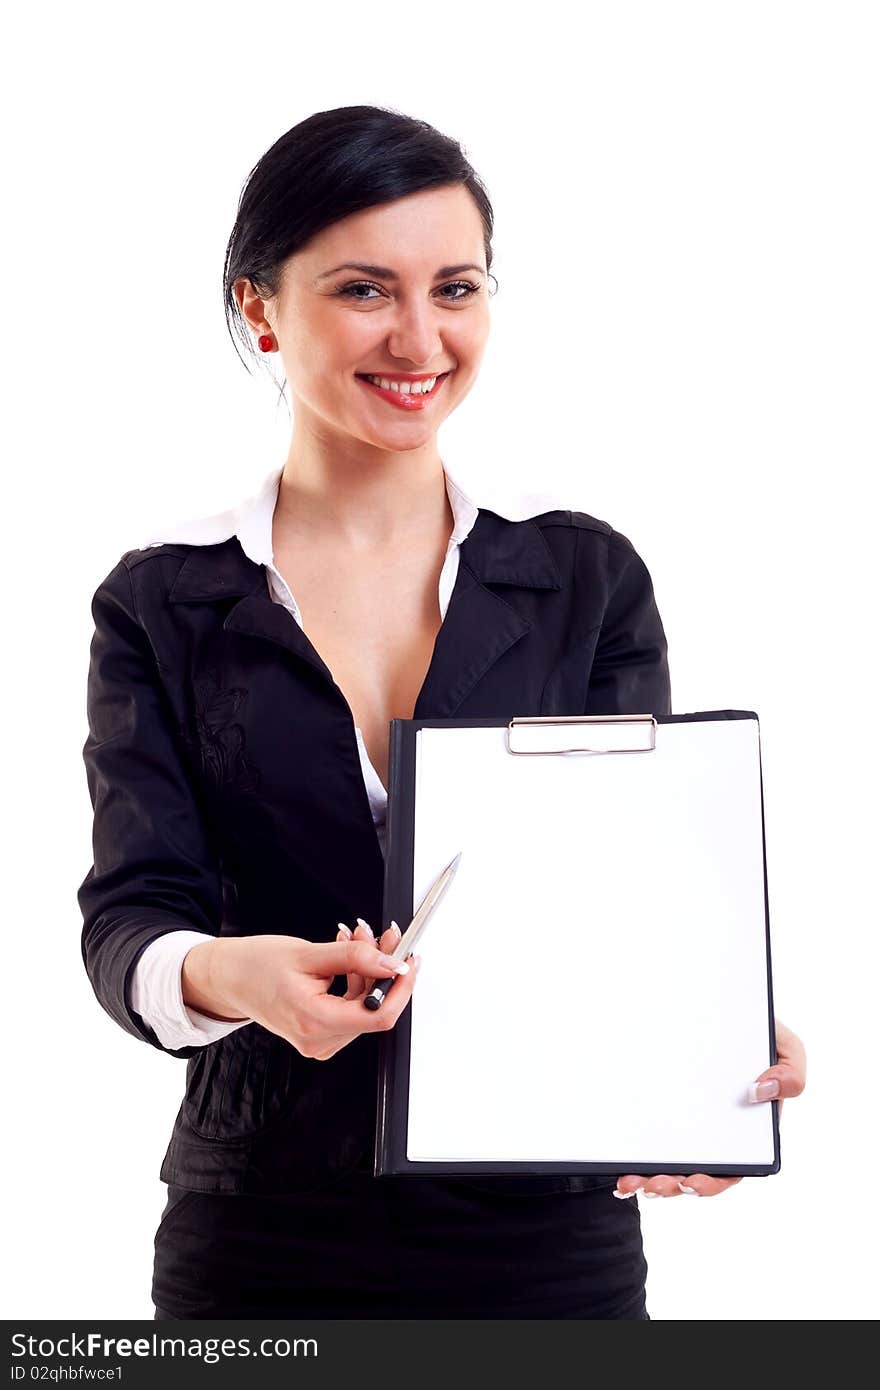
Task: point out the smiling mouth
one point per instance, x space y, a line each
404 400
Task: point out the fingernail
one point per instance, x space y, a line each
683 1187
763 1090
362 923
396 928
346 931
618 1193
400 967
653 1194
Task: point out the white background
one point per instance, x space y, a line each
684 343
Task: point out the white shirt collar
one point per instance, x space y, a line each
251 521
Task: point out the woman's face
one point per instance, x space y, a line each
418 305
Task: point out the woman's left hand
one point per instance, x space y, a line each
786 1079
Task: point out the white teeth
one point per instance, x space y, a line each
411 388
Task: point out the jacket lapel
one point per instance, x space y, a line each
224 571
479 627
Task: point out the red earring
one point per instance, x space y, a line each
265 342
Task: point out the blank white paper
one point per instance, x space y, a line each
594 984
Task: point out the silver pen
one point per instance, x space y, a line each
407 942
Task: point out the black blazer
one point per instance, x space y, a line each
228 796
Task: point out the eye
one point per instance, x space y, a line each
465 285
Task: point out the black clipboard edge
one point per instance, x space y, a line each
394 1046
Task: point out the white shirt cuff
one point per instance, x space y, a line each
156 993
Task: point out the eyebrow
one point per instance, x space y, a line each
381 272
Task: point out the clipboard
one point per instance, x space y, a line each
595 994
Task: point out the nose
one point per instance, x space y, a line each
415 337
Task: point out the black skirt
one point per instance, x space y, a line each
400 1247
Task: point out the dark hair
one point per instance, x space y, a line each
330 165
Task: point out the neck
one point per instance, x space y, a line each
365 498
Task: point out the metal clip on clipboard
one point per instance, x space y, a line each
544 726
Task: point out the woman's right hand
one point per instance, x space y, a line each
282 983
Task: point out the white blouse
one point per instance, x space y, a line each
155 990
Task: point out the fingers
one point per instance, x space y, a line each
355 980
389 938
336 1019
701 1185
350 1011
667 1185
358 984
387 942
396 999
782 1081
791 1064
662 1185
379 967
356 956
789 1075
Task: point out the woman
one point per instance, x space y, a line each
237 762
